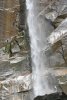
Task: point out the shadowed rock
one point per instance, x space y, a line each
54 96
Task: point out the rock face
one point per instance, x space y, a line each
55 96
22 14
15 72
15 76
17 84
18 96
59 33
8 18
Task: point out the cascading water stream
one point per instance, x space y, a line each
39 29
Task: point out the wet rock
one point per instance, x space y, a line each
54 96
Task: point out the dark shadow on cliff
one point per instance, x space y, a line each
53 96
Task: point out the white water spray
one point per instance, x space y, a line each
39 29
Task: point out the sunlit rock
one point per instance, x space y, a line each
58 33
16 60
17 84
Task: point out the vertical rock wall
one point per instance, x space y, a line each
8 14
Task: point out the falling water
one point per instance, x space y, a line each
39 29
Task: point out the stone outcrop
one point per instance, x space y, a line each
58 33
17 84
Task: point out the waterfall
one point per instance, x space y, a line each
39 29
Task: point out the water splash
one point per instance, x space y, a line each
39 29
